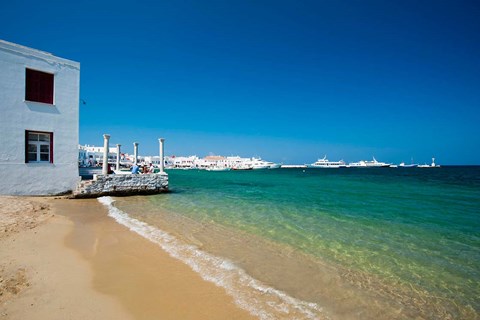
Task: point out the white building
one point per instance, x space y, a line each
39 107
181 162
88 153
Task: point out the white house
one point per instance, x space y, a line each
39 119
87 153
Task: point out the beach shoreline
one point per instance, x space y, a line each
64 258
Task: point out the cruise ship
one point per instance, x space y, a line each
325 163
369 164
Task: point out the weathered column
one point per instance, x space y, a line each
135 152
161 140
118 157
106 137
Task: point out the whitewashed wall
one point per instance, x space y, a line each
18 115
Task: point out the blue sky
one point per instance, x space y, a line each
289 81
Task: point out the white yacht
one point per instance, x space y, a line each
325 163
257 163
376 164
273 165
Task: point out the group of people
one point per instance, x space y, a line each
136 169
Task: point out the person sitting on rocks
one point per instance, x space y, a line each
135 169
151 168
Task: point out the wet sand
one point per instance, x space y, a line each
65 259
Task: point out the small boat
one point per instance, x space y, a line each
325 163
433 165
218 169
412 165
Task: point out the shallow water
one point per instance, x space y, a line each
389 243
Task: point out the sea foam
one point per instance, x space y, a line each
250 294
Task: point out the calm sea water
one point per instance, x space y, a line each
379 243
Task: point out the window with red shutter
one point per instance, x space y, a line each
38 86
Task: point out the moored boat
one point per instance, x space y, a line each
377 164
325 163
257 163
274 165
369 164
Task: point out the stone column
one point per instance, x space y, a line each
135 152
118 157
106 137
160 141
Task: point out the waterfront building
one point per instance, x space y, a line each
93 156
212 161
155 160
39 96
181 162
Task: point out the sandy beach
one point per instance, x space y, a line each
66 259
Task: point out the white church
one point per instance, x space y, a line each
39 121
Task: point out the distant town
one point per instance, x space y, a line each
92 156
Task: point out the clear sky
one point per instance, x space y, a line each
289 81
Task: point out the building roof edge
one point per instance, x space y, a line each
17 48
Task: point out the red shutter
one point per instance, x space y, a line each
46 87
38 86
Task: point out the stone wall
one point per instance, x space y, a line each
122 185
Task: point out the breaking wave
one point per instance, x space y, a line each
250 294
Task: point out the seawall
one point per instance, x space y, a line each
122 185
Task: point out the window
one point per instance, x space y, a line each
38 147
38 86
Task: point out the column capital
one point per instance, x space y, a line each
118 145
106 136
161 139
135 143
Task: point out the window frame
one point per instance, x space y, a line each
38 143
37 82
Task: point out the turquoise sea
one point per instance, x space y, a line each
377 243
